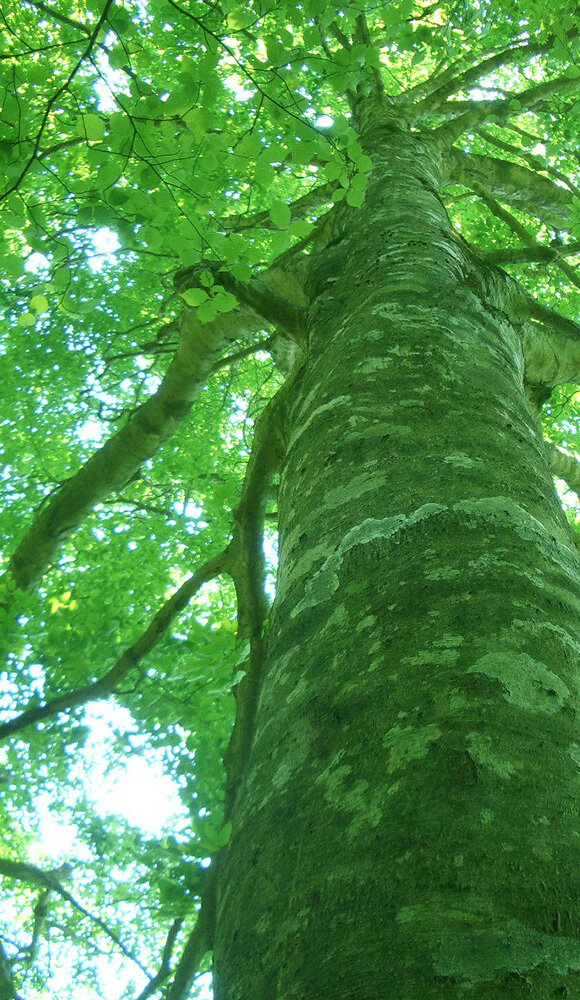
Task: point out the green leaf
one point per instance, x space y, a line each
358 182
117 57
354 198
211 837
90 127
109 173
207 311
225 301
280 214
239 18
39 303
194 296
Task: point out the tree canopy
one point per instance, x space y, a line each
165 167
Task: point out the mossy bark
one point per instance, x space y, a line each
408 826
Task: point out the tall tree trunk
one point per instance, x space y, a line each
408 825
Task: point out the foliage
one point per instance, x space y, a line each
139 139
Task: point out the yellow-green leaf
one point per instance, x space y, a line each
90 127
39 303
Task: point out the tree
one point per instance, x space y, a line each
304 273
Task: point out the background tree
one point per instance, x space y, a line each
179 181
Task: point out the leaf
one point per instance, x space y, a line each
90 127
333 170
39 303
224 834
206 278
300 228
354 198
117 57
358 182
109 173
225 301
239 18
280 214
207 311
194 296
26 319
210 836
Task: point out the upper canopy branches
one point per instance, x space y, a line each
116 155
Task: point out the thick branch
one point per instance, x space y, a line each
247 568
257 294
564 466
198 943
468 115
537 254
164 970
513 184
248 574
550 358
40 914
362 36
521 231
521 306
7 988
451 83
535 162
129 659
118 460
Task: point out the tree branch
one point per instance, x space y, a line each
304 205
550 358
164 970
516 227
128 661
535 162
46 8
340 36
150 425
451 83
362 37
522 306
22 871
564 466
512 183
40 914
51 102
537 254
263 299
247 570
198 943
7 988
468 115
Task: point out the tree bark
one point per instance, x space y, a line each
407 825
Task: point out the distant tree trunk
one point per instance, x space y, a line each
408 828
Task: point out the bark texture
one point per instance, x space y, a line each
408 824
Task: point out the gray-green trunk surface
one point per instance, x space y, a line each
408 827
